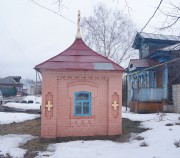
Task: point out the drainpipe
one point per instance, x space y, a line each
126 92
36 87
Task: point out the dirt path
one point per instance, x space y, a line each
32 127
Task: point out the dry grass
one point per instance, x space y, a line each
32 127
139 138
169 124
177 143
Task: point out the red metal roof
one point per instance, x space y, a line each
79 57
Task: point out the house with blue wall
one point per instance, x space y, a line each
150 78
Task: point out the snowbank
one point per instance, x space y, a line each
9 145
25 106
7 117
33 98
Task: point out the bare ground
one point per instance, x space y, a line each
32 127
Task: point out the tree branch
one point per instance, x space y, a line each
152 15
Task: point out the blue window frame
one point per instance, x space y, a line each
82 103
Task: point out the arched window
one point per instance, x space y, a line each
82 103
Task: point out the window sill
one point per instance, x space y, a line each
82 117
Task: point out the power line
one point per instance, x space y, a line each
54 12
58 14
12 42
149 68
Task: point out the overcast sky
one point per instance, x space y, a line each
30 35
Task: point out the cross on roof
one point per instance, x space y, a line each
78 35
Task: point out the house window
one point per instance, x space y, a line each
82 103
131 66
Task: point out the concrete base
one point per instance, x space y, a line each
177 109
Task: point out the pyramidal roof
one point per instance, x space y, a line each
79 57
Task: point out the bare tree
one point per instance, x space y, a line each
171 14
109 32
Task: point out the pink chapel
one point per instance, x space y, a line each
81 93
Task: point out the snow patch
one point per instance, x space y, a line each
7 117
35 99
10 143
26 106
23 106
160 139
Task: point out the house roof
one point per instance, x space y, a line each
154 37
10 80
174 47
79 57
142 63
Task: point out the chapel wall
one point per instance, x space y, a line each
70 125
104 88
48 118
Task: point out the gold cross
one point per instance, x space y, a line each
78 34
49 106
115 105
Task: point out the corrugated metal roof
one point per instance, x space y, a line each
174 47
10 80
159 36
170 39
140 63
79 57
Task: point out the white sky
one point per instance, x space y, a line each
30 35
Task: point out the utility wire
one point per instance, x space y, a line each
84 27
58 14
149 68
13 43
54 12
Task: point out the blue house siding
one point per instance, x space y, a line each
153 84
147 94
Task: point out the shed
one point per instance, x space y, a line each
81 93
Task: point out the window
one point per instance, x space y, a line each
131 65
82 103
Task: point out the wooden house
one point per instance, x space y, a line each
150 78
11 86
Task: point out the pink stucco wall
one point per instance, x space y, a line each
59 88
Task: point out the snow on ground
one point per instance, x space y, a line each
25 106
160 140
137 117
9 145
7 117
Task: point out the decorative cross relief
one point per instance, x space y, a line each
49 105
115 105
